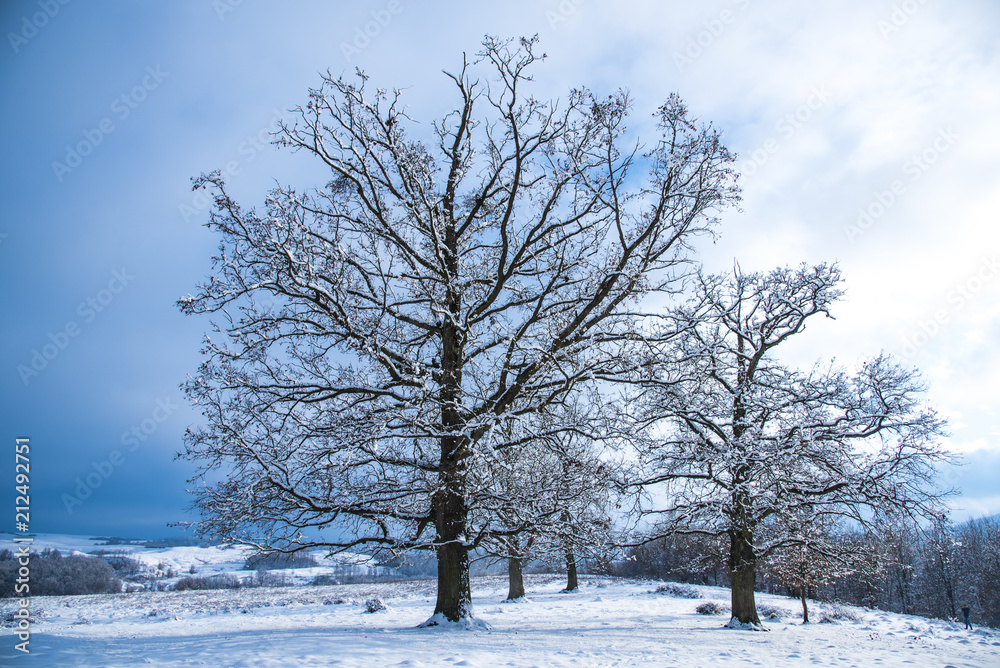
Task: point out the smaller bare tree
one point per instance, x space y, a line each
738 442
551 496
816 559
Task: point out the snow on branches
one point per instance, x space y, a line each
378 328
749 449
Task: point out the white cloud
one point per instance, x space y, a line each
965 508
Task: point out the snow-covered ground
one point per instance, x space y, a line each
608 622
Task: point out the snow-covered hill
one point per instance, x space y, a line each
608 622
184 561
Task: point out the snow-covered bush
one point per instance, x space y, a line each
375 605
9 620
765 611
837 613
120 560
677 590
712 608
212 582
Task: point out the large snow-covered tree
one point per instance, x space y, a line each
743 447
448 277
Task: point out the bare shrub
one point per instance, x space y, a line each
712 608
211 582
837 613
677 590
772 612
375 605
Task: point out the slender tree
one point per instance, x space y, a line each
741 442
375 330
811 557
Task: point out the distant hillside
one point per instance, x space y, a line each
159 564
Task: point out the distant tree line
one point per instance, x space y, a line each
157 543
55 575
932 572
280 561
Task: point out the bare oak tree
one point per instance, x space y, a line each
374 331
740 442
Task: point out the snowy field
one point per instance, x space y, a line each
609 622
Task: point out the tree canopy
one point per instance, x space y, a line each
377 330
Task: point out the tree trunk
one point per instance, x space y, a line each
743 576
515 575
742 559
949 590
571 581
454 595
805 610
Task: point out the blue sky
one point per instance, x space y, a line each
867 134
